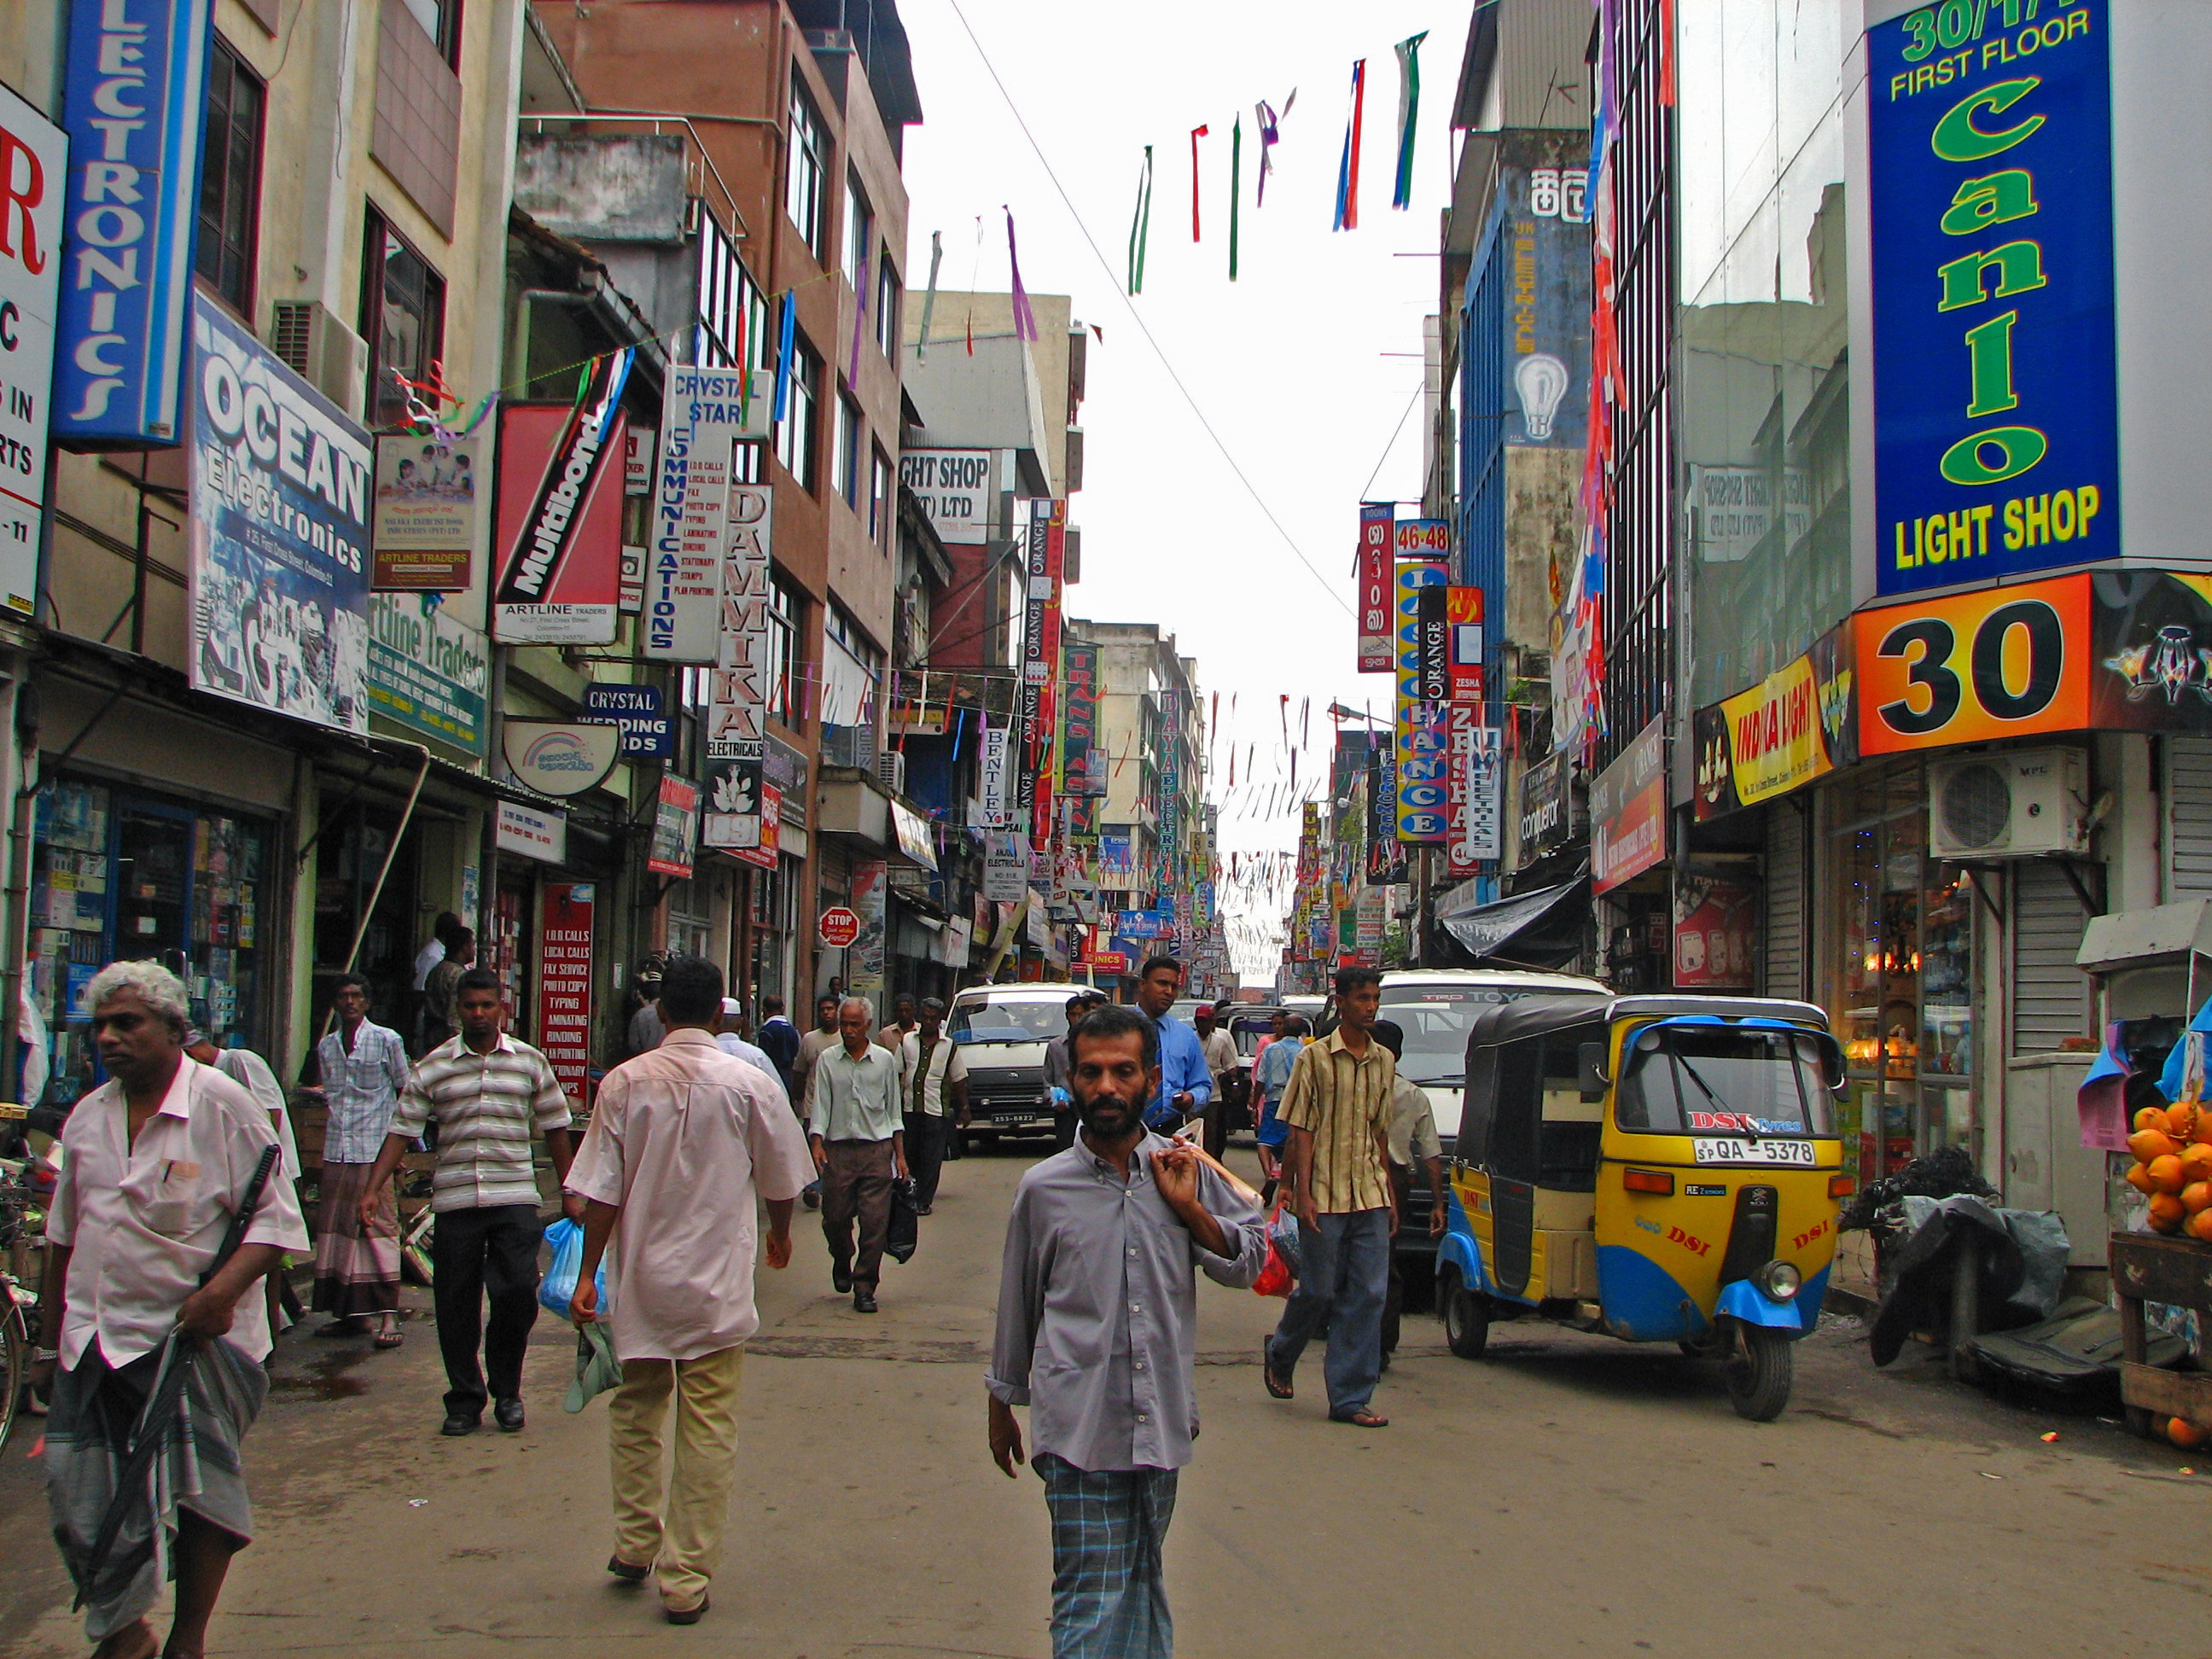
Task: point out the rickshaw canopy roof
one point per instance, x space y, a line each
1535 1017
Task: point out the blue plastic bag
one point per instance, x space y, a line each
558 1288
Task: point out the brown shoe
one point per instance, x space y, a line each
691 1615
627 1573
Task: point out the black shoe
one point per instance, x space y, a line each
811 1195
863 1303
923 1209
507 1414
841 1279
628 1573
688 1618
459 1422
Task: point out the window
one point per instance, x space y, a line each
442 21
796 438
786 605
887 307
860 236
403 317
804 173
852 672
847 462
230 179
880 500
732 310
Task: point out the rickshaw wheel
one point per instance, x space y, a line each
1761 1366
1465 1316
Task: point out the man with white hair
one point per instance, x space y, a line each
727 1038
857 1132
158 1160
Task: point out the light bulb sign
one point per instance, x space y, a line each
1995 406
1539 279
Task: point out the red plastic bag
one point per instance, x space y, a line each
1276 1277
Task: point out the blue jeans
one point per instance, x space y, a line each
1344 1274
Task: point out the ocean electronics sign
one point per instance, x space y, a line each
133 107
1996 425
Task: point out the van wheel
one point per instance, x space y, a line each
1761 1365
1465 1316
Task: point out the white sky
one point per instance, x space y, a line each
1289 362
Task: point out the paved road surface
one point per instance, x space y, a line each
1572 1495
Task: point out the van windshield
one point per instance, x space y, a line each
1691 1079
1009 1022
1436 1019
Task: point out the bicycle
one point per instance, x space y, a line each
19 1304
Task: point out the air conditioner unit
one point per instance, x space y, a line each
321 351
890 771
2008 804
852 746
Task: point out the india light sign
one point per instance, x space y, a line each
1997 426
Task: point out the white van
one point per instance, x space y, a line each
1002 1030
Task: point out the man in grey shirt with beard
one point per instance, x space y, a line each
1097 1328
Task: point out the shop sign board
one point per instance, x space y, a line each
1998 662
1477 773
864 952
1463 612
1544 802
768 844
559 523
787 769
1046 548
954 488
1798 724
1006 867
533 832
1628 811
702 419
1082 762
838 927
564 986
1544 230
675 829
1423 757
915 838
1375 655
1422 539
33 174
737 687
1716 934
433 511
133 104
732 819
640 713
1106 962
559 757
954 942
998 784
428 672
1995 374
638 452
280 531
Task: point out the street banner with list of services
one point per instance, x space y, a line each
564 986
279 533
702 419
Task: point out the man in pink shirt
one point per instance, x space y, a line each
683 1139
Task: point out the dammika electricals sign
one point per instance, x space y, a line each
1995 406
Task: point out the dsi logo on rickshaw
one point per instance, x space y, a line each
1819 1231
1689 1241
1739 1122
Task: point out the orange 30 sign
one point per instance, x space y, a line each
2004 662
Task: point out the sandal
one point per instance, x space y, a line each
1279 1386
390 1339
1363 1418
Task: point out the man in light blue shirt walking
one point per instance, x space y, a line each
1186 1084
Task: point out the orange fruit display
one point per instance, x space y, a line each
2167 1213
2199 1225
2151 1117
2196 1196
2164 1174
2139 1178
2180 1120
2148 1144
2183 1433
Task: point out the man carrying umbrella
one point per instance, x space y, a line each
160 1158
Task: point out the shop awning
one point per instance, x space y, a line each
1483 930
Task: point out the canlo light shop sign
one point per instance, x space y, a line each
1995 401
132 106
561 757
560 515
954 488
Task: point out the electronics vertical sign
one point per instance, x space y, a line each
1376 656
132 109
1043 552
1996 424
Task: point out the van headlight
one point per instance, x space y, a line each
1779 1281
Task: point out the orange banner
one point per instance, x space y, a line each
2004 662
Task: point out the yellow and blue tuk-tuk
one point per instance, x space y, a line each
1665 1169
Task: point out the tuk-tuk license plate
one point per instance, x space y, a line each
1753 1152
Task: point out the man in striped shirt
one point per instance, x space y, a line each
1337 1105
489 1093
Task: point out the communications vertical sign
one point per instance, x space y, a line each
702 418
34 168
1990 199
1375 526
133 107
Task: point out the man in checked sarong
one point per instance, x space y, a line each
157 1160
1097 1323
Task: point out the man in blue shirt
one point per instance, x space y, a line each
1186 1084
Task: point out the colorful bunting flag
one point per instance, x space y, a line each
1235 187
1025 323
929 300
1140 226
785 341
1409 112
1269 122
1347 166
1196 133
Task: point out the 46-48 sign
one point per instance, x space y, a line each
2000 663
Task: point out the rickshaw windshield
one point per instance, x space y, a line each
1707 1080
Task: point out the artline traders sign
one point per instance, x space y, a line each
1996 402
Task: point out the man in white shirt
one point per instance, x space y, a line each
930 1064
857 1132
156 1161
727 1040
1221 1059
681 1142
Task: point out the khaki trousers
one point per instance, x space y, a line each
682 1535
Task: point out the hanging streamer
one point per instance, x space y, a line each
1268 120
1140 225
785 340
1025 323
1235 187
860 323
1409 112
929 300
1196 133
1347 166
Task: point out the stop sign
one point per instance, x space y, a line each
838 927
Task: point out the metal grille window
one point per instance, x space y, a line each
403 317
852 672
807 170
860 235
846 464
879 499
798 439
888 293
230 179
785 670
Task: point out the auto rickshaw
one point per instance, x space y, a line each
1665 1169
